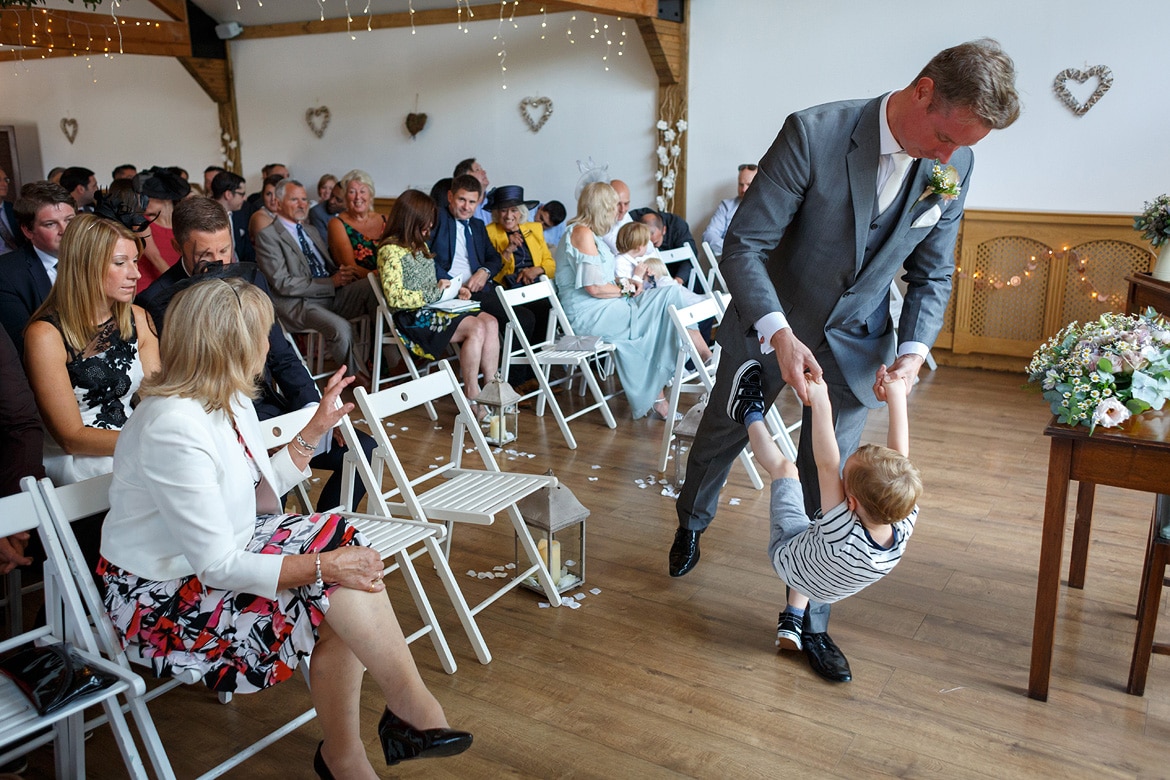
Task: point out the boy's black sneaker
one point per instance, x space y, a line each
788 630
747 391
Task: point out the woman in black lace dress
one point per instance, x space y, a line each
88 347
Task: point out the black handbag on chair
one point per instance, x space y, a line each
53 676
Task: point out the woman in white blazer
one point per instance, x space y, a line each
204 572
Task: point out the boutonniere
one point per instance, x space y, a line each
943 182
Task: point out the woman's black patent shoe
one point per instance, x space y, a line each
319 765
402 741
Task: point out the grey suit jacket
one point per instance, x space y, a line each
292 284
797 244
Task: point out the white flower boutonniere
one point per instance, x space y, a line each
943 182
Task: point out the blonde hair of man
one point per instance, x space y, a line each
78 297
214 343
884 482
596 208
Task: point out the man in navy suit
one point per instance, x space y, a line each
461 247
203 233
43 211
842 202
11 238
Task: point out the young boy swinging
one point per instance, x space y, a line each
868 509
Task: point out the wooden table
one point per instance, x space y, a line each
1145 290
1135 456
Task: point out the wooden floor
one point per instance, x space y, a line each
661 677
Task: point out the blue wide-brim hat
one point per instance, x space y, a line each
509 195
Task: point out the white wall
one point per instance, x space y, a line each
142 110
755 61
372 84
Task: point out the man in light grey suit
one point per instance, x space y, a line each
309 291
840 203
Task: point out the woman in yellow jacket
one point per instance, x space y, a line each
521 245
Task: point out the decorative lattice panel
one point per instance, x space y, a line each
1010 279
1095 279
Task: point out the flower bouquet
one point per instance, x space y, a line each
1154 221
1102 372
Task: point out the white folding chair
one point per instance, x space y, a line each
69 503
550 352
715 280
896 301
386 335
391 538
22 729
685 253
316 349
473 496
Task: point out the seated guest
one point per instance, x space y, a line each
471 167
325 187
88 347
439 192
717 229
256 199
309 290
409 283
126 171
81 184
205 244
598 305
669 231
354 235
204 574
209 174
623 215
229 191
520 243
327 208
551 216
459 242
265 214
11 238
163 189
21 444
43 211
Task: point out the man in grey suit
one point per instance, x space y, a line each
841 202
309 291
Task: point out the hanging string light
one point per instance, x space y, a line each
410 4
503 52
622 41
569 28
543 22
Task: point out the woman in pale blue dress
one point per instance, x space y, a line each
597 305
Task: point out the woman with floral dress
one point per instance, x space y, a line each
203 571
409 283
353 236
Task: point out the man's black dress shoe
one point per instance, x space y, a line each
402 741
684 553
825 658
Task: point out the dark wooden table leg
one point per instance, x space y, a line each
1048 577
1081 526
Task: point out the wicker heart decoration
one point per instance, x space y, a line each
415 123
1104 78
536 112
69 128
318 120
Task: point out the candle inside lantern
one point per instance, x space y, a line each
554 563
494 428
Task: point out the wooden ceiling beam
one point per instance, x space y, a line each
75 31
631 8
176 9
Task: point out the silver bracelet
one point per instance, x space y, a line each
310 448
320 583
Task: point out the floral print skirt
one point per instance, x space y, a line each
427 332
237 642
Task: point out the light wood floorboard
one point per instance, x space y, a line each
659 677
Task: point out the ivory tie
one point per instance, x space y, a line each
901 162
